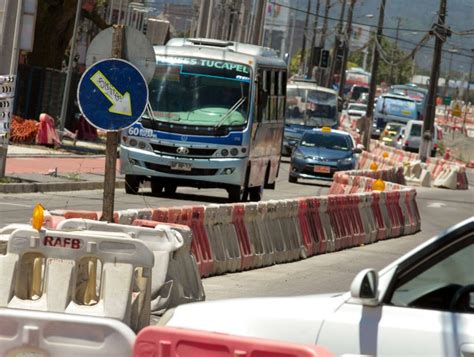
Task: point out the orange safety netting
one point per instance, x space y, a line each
23 130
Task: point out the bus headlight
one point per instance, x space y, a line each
133 142
234 152
224 152
141 145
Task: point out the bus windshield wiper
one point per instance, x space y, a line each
230 111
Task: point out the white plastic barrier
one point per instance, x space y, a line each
59 271
229 238
213 225
183 278
37 333
174 278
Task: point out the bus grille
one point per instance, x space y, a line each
192 151
193 172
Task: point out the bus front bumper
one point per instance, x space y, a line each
196 172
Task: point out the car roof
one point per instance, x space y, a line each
333 131
410 87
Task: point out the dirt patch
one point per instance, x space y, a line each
461 146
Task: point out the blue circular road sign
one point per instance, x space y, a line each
112 94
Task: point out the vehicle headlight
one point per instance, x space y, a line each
346 161
298 155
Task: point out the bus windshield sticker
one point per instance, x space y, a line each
203 67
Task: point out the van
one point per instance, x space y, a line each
412 91
410 138
392 108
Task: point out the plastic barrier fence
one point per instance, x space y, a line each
37 333
172 342
174 279
85 273
236 237
443 173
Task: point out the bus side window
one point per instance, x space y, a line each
281 95
262 95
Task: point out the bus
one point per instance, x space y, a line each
307 106
215 120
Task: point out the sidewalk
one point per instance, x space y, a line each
36 168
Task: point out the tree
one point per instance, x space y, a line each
402 71
54 26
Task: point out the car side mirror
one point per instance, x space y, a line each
364 287
357 151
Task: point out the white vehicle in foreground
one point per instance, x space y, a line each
421 304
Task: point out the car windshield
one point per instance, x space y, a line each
327 141
311 107
429 288
200 92
399 107
357 107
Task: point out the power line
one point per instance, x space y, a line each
335 19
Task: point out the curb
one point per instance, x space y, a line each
48 156
56 186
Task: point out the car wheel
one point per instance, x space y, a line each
235 193
132 184
292 179
255 193
156 186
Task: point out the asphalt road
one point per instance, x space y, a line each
439 209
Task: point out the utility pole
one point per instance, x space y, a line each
367 131
322 38
441 35
336 46
257 33
303 46
392 67
468 93
347 42
309 73
448 74
67 86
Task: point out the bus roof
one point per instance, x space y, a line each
221 50
308 85
411 87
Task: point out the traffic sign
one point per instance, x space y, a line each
112 94
137 49
456 112
446 100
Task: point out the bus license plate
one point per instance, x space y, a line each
182 166
322 169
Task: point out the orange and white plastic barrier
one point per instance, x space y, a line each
171 342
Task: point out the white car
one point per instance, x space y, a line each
356 110
421 304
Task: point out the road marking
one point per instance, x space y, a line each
16 204
436 205
121 103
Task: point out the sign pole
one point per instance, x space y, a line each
112 141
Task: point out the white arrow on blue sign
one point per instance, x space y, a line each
112 94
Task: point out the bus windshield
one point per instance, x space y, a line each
310 107
200 92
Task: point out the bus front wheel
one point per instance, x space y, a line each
132 184
156 186
235 193
255 193
170 189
